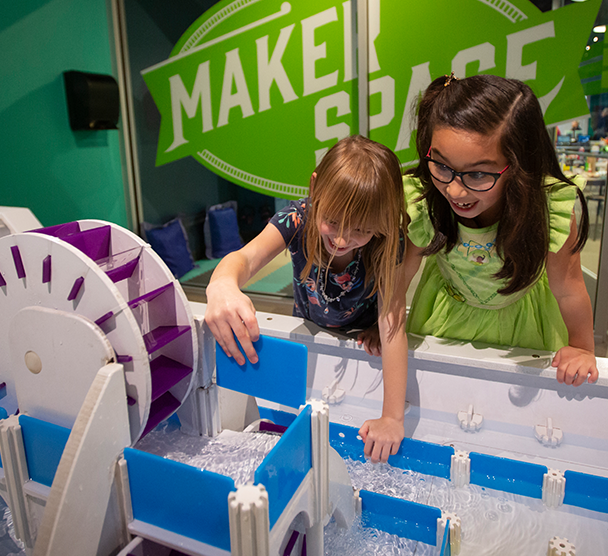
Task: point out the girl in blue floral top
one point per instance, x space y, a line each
346 244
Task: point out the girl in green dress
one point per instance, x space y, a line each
492 212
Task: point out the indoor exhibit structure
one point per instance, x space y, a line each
108 371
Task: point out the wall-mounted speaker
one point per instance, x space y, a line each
93 100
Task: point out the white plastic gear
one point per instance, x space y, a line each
560 547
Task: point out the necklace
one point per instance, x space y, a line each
345 288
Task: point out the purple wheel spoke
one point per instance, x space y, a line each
46 270
18 261
76 288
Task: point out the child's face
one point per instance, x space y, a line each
466 152
340 245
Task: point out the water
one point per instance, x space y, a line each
494 523
10 545
367 541
234 454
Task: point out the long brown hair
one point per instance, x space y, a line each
488 104
359 185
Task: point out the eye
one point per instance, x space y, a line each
477 176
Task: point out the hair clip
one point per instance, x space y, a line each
449 79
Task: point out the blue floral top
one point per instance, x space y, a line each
354 309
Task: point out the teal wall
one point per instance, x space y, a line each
61 175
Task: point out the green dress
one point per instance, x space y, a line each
458 298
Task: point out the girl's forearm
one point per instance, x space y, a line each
394 371
233 268
578 316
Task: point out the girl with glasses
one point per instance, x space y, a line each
346 242
492 212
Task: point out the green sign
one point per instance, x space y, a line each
258 90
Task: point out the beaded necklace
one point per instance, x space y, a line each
346 288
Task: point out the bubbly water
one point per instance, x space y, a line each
234 454
494 523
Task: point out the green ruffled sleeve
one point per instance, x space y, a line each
420 229
561 204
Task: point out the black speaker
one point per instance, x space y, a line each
93 101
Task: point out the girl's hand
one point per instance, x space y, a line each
230 312
382 438
370 339
574 365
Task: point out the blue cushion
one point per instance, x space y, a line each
224 232
171 244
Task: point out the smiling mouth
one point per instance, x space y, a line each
334 246
463 205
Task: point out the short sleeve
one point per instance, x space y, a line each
420 229
561 199
290 220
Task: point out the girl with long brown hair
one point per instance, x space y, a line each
493 213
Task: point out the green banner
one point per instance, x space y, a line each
258 90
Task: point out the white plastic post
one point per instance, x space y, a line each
554 488
560 547
199 414
123 494
249 522
15 475
548 435
469 420
319 423
460 470
76 503
455 531
332 394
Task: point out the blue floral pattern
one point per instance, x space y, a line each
355 309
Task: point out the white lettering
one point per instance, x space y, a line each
421 79
373 26
515 46
547 99
272 70
350 66
201 92
325 132
386 87
311 52
484 53
234 72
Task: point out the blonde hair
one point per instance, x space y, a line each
359 185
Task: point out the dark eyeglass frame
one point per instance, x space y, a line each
455 174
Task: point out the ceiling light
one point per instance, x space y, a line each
595 39
599 29
587 47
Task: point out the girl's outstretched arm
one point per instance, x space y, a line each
383 436
229 311
576 361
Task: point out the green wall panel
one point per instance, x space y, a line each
61 175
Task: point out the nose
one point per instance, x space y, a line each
455 189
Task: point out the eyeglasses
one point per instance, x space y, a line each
475 181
